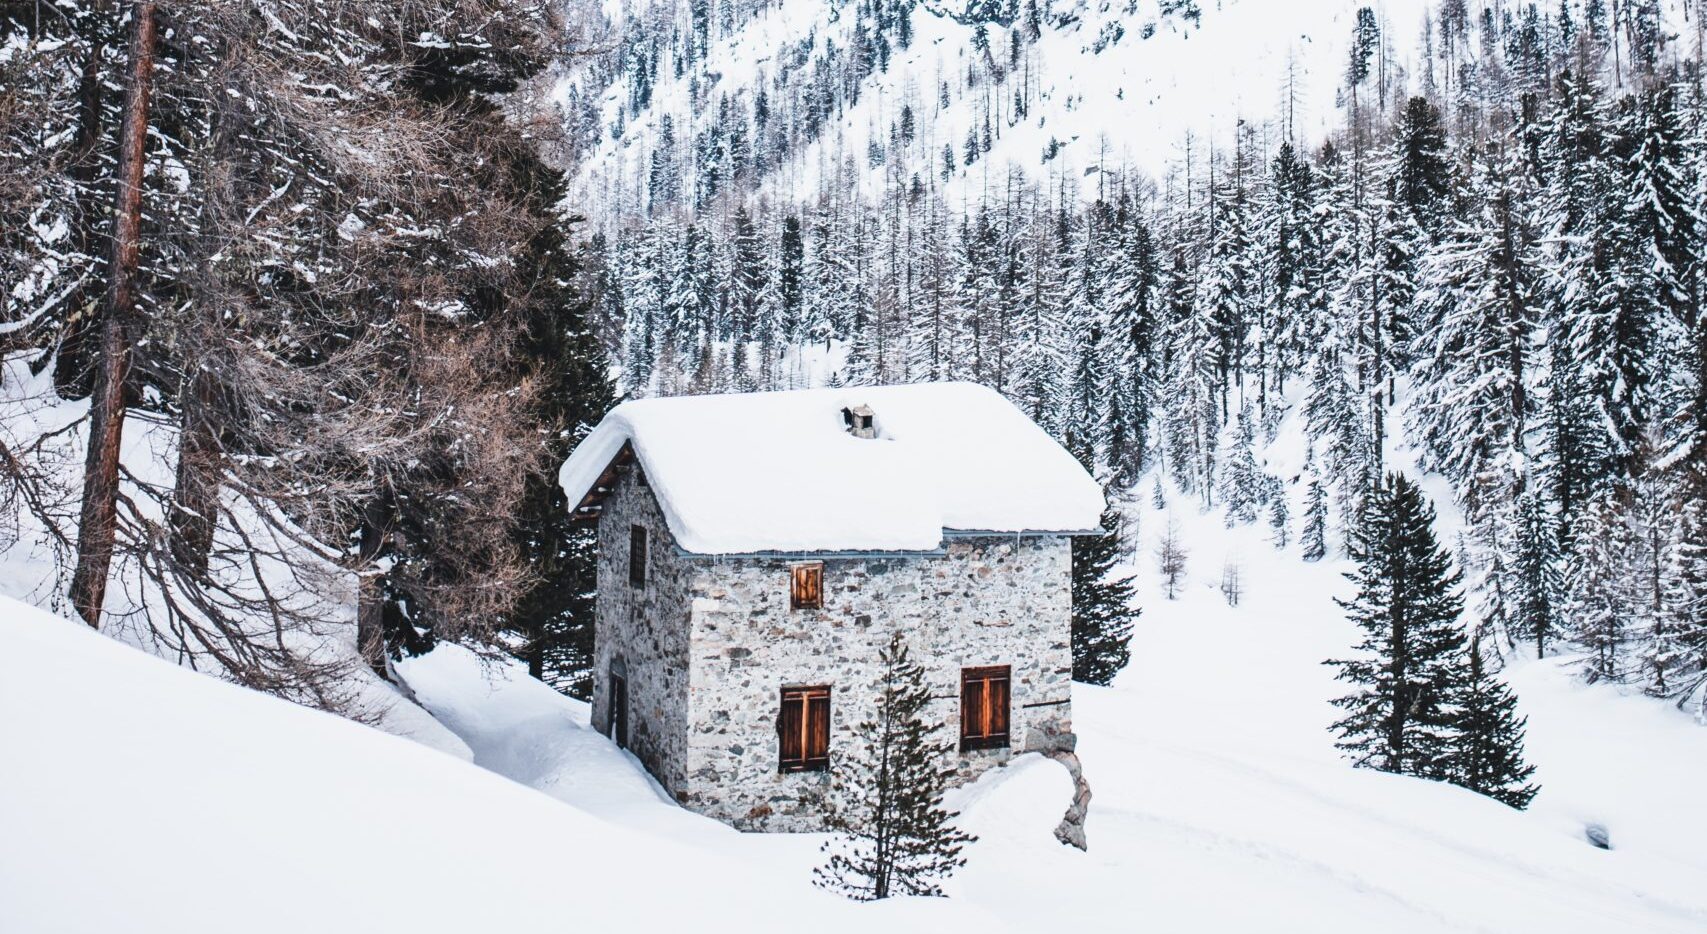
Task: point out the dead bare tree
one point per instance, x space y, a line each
1170 558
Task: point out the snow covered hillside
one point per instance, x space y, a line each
1220 802
1078 88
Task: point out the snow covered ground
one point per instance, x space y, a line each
139 796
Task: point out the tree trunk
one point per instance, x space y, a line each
370 593
71 361
97 525
195 494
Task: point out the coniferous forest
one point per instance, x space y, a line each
1497 257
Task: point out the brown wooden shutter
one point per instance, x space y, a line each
971 710
806 586
790 731
803 730
984 702
818 729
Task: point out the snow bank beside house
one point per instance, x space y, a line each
141 797
780 472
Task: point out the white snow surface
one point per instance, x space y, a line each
779 472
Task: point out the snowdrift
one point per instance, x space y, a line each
138 796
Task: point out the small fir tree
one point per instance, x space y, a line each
1399 718
1315 535
1538 578
894 837
1279 516
1103 613
1158 499
1487 750
1243 483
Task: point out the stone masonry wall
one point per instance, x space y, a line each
987 602
645 631
711 642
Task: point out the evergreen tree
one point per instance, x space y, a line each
1596 602
1279 516
1487 751
1243 483
1537 575
1103 614
1400 716
1314 538
894 837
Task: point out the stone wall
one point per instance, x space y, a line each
712 642
645 631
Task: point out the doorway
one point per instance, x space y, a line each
619 710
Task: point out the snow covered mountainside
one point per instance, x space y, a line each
1220 802
1052 90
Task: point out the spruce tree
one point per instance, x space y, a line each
1538 581
1487 750
893 835
1103 614
1315 535
1279 516
1243 484
1399 717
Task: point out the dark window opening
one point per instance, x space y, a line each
619 710
803 730
984 708
806 587
637 557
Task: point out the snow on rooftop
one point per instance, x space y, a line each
779 471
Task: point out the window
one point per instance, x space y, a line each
806 587
803 730
637 557
984 708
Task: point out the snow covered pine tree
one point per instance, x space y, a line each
1398 719
1103 613
1426 706
885 803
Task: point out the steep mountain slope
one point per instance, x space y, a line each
1057 91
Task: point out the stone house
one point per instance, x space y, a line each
756 550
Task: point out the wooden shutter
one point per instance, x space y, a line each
806 586
984 702
803 730
791 730
818 729
971 710
636 556
996 702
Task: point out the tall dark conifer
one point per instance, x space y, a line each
1103 614
1400 715
1486 754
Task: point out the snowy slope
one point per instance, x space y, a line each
141 797
1220 802
1116 85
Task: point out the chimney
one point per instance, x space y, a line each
861 421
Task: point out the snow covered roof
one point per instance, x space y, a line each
780 471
